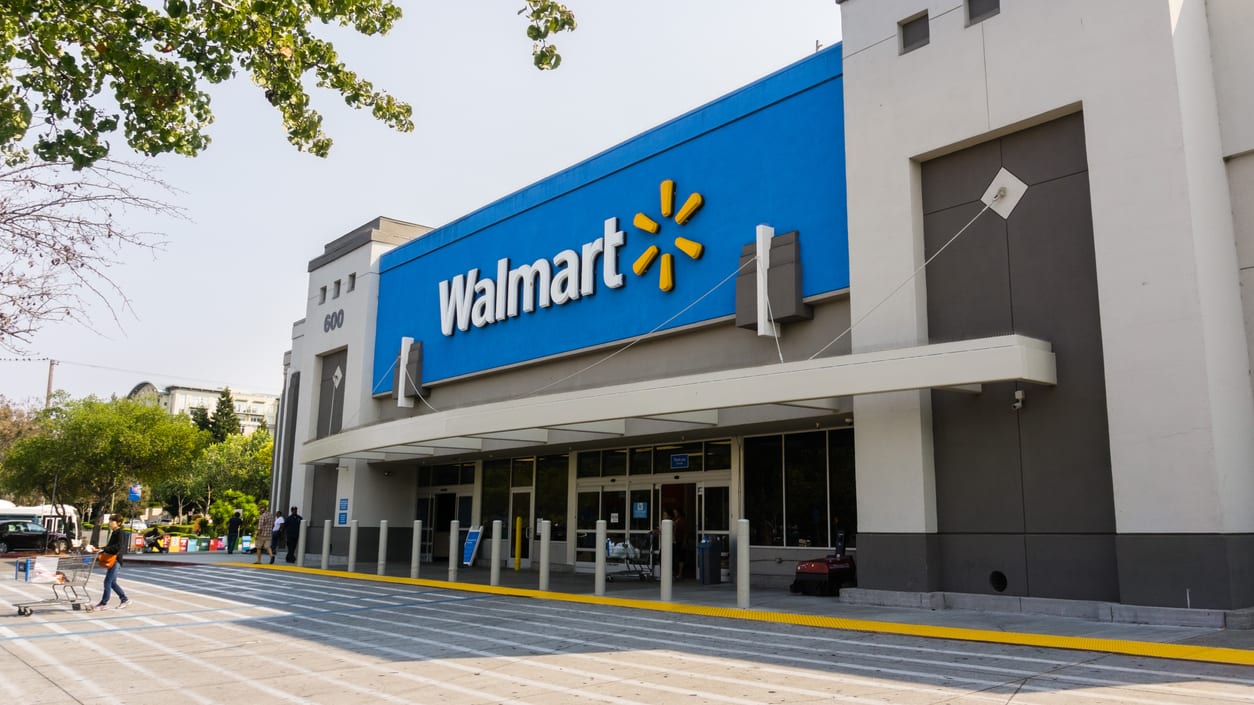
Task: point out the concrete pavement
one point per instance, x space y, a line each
1179 634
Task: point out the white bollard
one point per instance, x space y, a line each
600 580
495 572
545 527
454 532
416 555
352 546
668 550
742 564
383 547
326 544
301 538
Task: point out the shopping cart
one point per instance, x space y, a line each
69 584
634 557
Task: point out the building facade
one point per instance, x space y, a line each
253 410
966 290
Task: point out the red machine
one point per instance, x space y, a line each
827 575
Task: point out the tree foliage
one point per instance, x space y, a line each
200 417
222 509
16 422
87 452
546 18
60 229
74 72
225 421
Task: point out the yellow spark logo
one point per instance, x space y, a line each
666 278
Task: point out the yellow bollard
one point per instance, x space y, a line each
517 543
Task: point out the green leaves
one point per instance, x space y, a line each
73 72
546 19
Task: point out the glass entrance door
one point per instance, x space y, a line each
520 507
714 522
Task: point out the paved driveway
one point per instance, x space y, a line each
204 634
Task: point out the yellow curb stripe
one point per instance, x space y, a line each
1179 652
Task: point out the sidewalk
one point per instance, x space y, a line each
1206 643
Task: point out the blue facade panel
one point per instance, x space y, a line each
770 153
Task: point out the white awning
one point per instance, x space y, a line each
691 401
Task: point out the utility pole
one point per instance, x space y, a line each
48 396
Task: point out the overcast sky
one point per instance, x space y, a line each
215 306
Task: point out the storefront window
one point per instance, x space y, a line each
844 488
641 461
718 455
522 471
800 488
445 475
764 498
588 464
614 463
495 495
686 457
551 484
805 489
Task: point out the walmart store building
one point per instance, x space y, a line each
1001 247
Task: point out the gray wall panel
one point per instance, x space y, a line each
1044 470
969 283
969 560
898 562
961 177
1072 566
978 484
1152 567
1046 152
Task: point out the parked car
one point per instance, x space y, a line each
137 525
30 536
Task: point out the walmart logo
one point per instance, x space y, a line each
691 248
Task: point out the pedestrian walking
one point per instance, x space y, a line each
277 535
232 531
292 528
115 549
265 530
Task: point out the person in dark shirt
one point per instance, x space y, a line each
292 529
232 531
116 548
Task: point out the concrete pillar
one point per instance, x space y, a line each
383 547
600 560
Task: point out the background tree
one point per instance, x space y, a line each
74 72
16 421
91 450
59 233
200 417
225 421
222 509
240 463
546 18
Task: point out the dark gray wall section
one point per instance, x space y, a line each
331 396
1029 492
908 562
325 484
291 403
1216 570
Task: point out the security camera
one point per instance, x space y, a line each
1018 402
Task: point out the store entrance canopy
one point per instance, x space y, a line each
621 410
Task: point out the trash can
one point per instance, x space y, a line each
709 562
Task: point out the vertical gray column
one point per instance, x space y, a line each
326 544
495 572
383 547
600 579
545 526
416 553
742 564
352 546
668 549
301 539
454 529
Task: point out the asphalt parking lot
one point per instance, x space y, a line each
217 634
